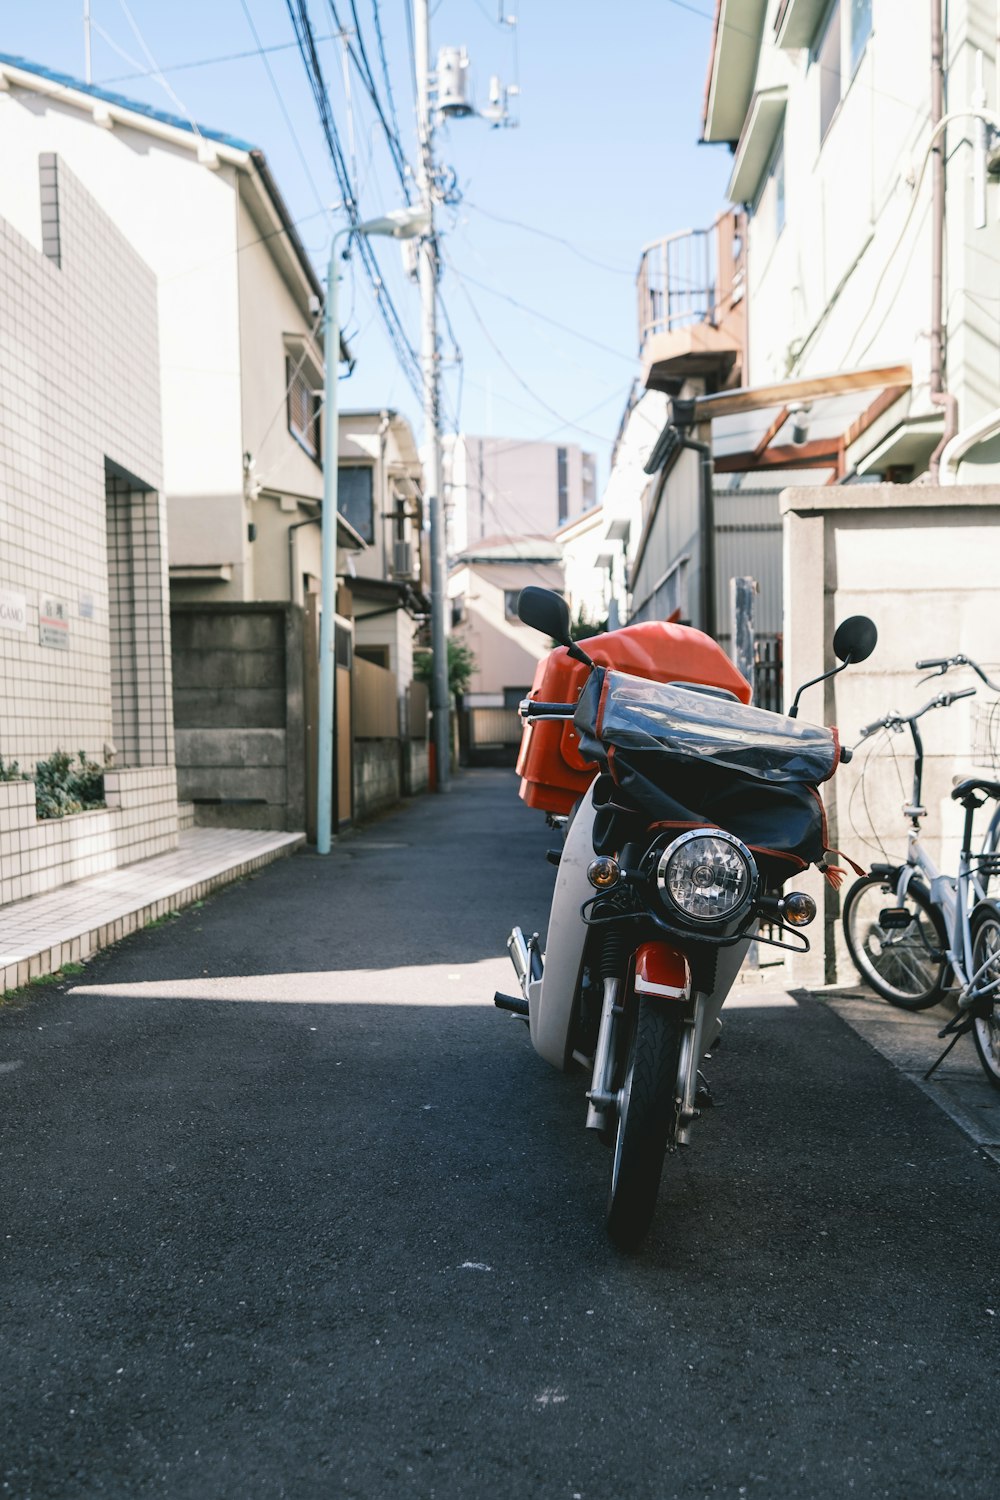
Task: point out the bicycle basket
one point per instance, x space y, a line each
986 734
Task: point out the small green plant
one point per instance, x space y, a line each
11 771
64 785
461 666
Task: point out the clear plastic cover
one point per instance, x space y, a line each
634 714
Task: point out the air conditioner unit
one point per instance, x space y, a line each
402 559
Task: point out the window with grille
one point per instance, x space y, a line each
354 498
303 408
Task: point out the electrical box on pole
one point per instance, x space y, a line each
453 83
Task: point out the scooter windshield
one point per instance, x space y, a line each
632 713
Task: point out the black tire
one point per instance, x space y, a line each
644 1122
986 1027
905 965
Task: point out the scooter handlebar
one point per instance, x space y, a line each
531 708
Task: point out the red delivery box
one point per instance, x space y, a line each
553 773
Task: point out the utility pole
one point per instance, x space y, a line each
440 698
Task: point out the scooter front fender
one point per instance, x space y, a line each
552 1000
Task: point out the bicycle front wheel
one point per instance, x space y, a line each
986 1026
902 958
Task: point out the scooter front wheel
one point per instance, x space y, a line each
645 1117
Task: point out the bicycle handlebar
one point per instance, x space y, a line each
937 666
896 721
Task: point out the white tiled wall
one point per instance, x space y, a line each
139 821
79 423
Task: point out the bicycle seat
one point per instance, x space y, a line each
976 784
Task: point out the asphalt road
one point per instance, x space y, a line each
290 1210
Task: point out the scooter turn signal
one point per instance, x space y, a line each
604 872
798 909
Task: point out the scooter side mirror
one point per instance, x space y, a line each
855 639
547 611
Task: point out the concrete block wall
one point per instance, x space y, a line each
922 562
238 715
376 776
140 820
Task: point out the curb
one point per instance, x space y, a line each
21 968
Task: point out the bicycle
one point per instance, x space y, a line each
938 929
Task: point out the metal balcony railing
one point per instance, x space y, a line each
694 276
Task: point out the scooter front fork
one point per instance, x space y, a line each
600 1098
687 1069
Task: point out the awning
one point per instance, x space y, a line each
732 67
798 21
800 424
764 122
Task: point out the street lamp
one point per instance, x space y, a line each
399 224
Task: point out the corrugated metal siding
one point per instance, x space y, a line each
748 545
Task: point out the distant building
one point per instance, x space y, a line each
496 486
484 587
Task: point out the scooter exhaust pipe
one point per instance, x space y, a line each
517 947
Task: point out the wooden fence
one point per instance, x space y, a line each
374 702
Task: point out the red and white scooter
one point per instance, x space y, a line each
688 809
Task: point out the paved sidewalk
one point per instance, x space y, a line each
909 1040
42 933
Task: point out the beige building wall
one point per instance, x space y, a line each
506 651
839 264
232 295
921 561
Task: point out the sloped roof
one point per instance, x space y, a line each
502 549
107 96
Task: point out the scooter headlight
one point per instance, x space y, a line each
706 876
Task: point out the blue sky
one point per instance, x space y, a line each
604 158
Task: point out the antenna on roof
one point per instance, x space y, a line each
87 70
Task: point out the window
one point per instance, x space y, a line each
769 207
562 472
377 655
861 30
303 408
589 480
354 499
510 598
828 62
839 53
513 696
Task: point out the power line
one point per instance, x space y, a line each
556 239
359 57
562 420
544 317
380 42
299 13
283 107
198 62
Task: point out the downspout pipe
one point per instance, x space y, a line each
707 516
682 415
938 394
